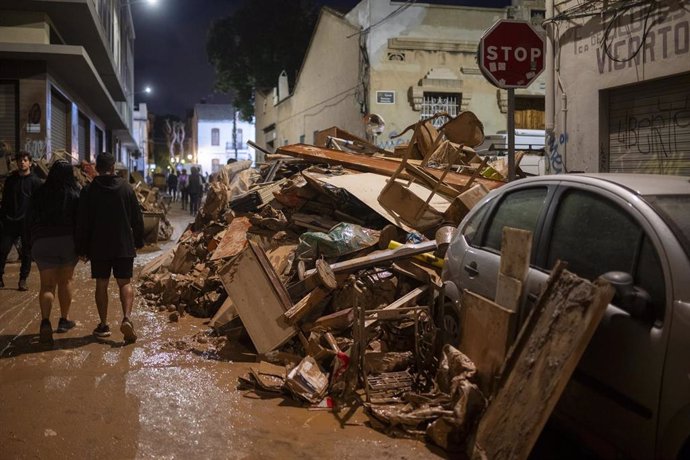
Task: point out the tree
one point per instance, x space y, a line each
251 47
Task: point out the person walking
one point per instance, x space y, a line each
110 228
172 184
183 183
51 220
196 189
19 187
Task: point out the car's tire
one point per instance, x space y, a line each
450 324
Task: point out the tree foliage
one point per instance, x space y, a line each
251 47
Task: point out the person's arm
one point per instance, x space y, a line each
137 221
81 232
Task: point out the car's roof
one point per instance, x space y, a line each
642 184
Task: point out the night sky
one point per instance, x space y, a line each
170 49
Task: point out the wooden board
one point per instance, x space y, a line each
226 313
367 188
485 336
516 248
540 364
372 164
234 240
508 292
260 298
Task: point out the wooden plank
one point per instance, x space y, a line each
259 297
508 292
226 313
405 301
380 257
372 164
484 336
234 240
516 248
306 305
541 363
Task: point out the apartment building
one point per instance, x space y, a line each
66 77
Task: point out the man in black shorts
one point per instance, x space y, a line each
110 226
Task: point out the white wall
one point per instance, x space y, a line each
206 152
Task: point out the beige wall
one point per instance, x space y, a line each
585 72
24 27
425 48
325 94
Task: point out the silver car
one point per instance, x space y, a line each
631 391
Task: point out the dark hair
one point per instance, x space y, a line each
22 154
105 162
55 202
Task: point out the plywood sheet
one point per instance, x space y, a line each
485 335
540 364
234 240
367 187
259 297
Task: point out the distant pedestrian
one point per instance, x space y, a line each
183 184
110 228
51 220
196 190
172 184
19 187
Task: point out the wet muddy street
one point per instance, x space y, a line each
91 398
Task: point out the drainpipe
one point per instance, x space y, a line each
549 103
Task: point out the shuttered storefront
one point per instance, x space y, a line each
58 123
8 114
649 127
83 138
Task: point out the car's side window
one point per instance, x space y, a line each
472 226
518 209
595 236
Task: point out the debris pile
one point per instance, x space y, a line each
331 262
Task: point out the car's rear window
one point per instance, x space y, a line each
675 211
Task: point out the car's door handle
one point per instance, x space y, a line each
471 269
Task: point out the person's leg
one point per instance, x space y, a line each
102 299
25 257
123 270
126 295
6 242
46 295
64 282
45 301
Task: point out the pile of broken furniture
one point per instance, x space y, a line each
331 261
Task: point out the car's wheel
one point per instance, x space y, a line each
450 329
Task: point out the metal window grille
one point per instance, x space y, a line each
434 104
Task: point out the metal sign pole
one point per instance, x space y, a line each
511 134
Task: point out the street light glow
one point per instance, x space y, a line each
148 90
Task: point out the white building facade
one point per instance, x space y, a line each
140 130
218 135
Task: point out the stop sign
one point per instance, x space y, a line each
511 54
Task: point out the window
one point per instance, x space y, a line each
215 136
239 141
470 230
301 139
520 209
215 165
596 236
434 103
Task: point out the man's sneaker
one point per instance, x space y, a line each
46 332
102 330
22 285
65 325
127 329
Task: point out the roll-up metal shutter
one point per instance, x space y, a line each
649 127
83 134
99 141
8 115
58 123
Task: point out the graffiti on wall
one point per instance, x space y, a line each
648 33
36 147
556 143
657 133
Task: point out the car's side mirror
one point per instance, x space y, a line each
628 297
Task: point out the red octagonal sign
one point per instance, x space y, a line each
511 54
